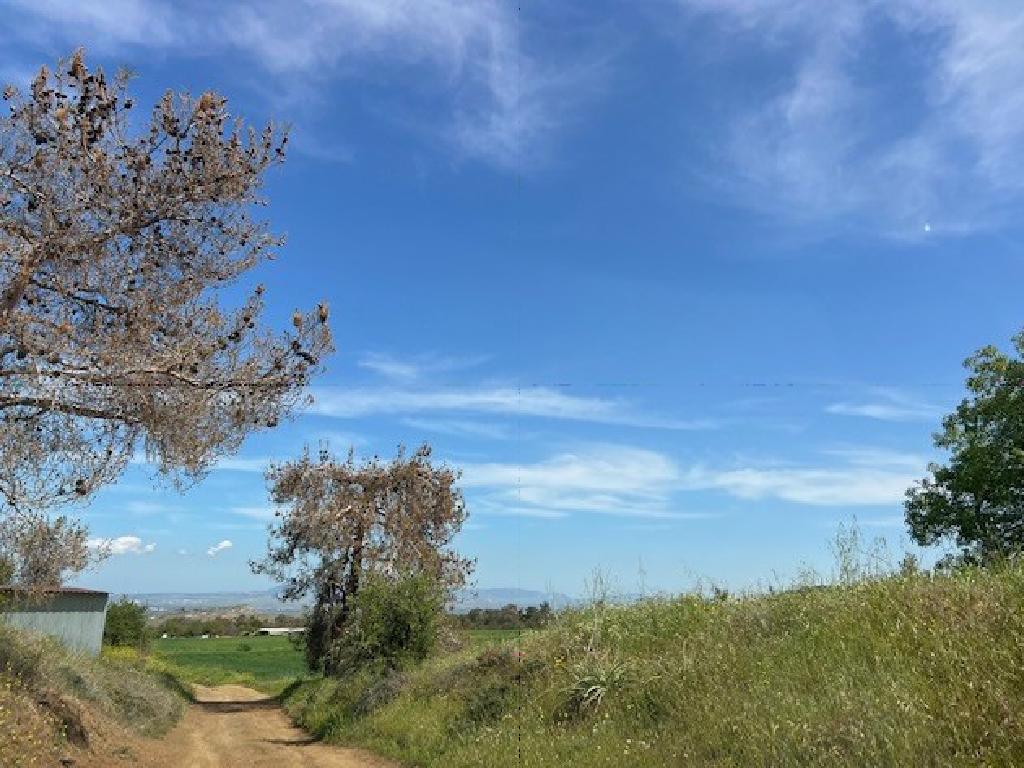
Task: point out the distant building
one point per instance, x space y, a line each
72 615
280 630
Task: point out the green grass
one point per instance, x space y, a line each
904 670
266 663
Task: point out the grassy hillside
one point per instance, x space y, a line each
265 663
54 703
909 670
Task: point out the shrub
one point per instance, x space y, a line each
392 622
126 624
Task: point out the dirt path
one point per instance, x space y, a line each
233 726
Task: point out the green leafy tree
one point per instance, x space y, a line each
392 621
126 624
976 499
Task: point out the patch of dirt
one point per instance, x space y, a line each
230 726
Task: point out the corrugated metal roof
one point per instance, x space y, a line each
57 590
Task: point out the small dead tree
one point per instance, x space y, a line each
37 552
114 244
345 522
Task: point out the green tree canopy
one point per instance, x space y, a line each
126 624
977 498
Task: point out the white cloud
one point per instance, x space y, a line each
460 428
342 402
606 479
389 367
887 404
392 367
219 547
108 22
121 545
502 101
933 144
242 464
866 478
256 513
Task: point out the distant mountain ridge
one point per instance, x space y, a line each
499 597
269 600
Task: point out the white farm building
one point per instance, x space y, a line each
280 631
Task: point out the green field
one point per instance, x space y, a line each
267 663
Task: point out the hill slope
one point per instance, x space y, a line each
55 704
897 671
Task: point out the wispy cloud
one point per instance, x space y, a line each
603 479
949 156
460 428
502 101
121 545
862 477
543 402
408 369
888 404
389 367
219 547
256 513
245 464
143 507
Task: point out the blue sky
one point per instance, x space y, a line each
679 285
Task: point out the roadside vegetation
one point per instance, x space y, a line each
907 669
54 703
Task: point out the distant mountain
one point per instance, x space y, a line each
259 601
269 601
499 597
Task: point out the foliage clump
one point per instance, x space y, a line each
393 622
345 525
126 624
976 499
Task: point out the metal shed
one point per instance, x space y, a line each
73 615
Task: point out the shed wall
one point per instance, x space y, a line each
76 620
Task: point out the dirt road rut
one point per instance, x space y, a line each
233 726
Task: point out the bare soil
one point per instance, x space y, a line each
230 726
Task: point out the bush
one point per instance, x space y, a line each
392 622
116 684
126 624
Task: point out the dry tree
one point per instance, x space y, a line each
114 246
343 522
